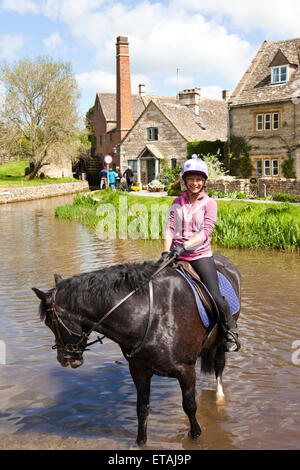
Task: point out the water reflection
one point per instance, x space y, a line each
46 406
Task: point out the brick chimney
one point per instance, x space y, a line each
124 99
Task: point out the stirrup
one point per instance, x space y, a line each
231 343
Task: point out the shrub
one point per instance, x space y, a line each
284 197
287 168
175 189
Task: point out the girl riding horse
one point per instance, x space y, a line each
191 221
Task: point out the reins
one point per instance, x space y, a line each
75 348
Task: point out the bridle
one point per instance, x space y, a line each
69 348
78 348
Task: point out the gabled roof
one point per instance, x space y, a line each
108 104
210 124
139 103
255 86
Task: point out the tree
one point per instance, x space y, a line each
38 115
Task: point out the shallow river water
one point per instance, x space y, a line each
44 406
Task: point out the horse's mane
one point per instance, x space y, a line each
99 286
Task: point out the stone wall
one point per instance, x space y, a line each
39 192
263 187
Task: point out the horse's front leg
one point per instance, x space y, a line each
142 380
187 380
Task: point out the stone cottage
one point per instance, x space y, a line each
164 128
265 108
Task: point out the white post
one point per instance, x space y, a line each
139 171
156 167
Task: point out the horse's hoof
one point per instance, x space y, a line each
141 442
220 398
196 434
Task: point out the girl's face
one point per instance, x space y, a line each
194 183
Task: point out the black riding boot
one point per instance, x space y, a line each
231 342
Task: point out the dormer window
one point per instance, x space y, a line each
279 74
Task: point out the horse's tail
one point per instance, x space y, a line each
212 354
208 358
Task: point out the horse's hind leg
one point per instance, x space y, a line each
219 367
142 380
187 380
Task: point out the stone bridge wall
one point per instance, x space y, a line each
39 192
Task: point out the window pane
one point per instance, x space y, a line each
275 120
275 75
152 133
259 122
275 169
283 71
267 121
258 167
267 167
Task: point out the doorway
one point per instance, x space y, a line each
150 170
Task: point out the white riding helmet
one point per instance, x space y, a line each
194 166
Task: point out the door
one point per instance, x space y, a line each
150 170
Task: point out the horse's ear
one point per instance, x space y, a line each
41 295
58 279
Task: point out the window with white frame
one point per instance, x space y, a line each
267 168
267 121
275 119
275 167
258 167
279 74
259 122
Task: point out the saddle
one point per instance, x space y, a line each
204 295
208 310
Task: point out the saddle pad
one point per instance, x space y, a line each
226 290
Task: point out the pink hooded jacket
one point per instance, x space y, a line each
186 220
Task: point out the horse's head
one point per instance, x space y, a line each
69 343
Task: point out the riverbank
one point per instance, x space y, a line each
29 193
241 224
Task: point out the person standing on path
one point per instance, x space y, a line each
128 174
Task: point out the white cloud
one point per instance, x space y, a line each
212 92
20 6
273 18
162 38
10 45
53 42
99 81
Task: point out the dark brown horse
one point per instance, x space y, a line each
158 328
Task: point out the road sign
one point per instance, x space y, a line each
107 159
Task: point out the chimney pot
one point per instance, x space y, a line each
225 95
142 89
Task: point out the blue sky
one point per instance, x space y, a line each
210 42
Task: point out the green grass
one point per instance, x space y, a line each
250 225
240 224
12 175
